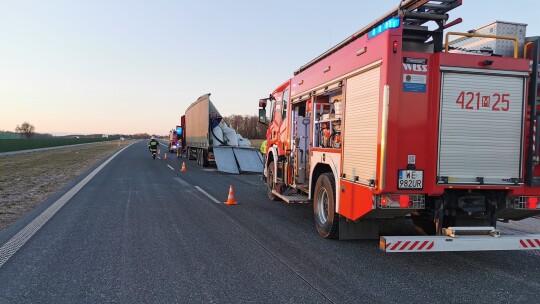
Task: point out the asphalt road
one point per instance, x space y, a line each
141 232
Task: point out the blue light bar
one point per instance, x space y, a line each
179 131
388 24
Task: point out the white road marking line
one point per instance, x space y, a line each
182 182
170 167
159 157
208 195
15 243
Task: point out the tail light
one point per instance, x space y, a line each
394 201
532 202
525 202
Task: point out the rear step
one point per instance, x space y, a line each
293 198
460 239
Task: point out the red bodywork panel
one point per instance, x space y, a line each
173 137
278 132
183 125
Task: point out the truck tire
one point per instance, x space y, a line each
190 154
324 207
199 152
204 158
270 183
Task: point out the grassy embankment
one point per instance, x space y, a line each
28 179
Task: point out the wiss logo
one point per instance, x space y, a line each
415 67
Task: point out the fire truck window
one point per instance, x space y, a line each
271 108
285 103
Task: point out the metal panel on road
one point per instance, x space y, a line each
480 130
249 160
225 160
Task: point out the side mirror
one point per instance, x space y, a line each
262 116
262 103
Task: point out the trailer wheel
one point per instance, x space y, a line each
199 153
324 207
270 183
204 158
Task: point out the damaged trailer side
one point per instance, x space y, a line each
210 140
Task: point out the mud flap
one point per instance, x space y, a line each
360 230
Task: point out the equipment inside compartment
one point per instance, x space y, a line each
328 112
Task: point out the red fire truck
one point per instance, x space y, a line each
395 122
175 140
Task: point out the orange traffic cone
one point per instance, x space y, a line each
230 199
158 151
183 167
165 156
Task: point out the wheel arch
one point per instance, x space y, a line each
319 169
272 156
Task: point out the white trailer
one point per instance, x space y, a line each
209 140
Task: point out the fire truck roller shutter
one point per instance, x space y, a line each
480 128
361 126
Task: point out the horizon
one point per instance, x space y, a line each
127 68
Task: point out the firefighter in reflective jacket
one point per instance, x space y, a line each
263 148
153 145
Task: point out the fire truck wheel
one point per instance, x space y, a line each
324 207
270 183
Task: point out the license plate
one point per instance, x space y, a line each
410 179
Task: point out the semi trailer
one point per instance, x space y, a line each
209 140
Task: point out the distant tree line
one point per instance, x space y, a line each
248 126
141 136
26 128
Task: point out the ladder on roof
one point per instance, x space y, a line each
414 12
414 28
425 11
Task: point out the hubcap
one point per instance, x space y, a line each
322 204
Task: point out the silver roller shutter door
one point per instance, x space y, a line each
480 142
361 126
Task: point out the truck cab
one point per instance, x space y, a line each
173 139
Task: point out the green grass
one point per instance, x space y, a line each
8 145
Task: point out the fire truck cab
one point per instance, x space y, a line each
405 120
175 140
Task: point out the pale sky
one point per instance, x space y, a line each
135 66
